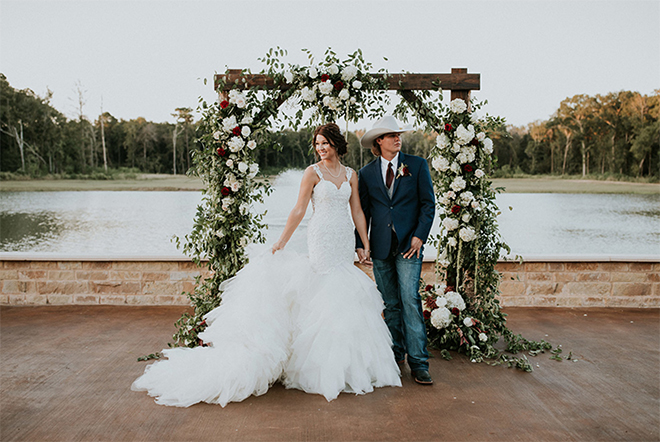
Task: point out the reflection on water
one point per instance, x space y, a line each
143 223
28 231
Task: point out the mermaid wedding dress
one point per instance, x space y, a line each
312 322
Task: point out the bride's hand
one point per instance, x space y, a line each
279 245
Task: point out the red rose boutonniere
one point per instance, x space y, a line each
403 171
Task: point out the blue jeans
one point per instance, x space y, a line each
397 279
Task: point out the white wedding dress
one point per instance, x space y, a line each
313 323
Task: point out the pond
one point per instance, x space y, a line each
138 224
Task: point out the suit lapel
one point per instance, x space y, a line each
396 173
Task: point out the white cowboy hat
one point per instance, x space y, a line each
385 125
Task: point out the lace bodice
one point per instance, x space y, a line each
330 236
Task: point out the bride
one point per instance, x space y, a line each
312 322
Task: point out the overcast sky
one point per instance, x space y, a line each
146 58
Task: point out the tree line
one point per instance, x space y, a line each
616 134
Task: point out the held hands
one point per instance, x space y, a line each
364 256
415 248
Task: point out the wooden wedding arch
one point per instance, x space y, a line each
459 82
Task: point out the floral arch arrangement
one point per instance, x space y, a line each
463 314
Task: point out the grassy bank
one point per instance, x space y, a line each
181 182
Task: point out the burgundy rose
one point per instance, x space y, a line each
428 288
236 131
450 288
221 151
448 127
474 142
455 209
427 314
467 168
339 85
225 191
405 171
224 104
325 77
455 311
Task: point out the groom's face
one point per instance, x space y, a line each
390 144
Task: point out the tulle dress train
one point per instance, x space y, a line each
312 322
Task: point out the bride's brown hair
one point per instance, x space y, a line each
332 133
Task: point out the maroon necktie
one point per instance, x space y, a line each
389 176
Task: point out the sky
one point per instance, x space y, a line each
145 58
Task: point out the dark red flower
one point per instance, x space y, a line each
455 311
225 191
236 131
430 303
474 142
455 209
467 168
450 288
428 288
448 127
224 104
427 314
221 151
325 77
339 85
405 171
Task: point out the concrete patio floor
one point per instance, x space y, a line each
66 373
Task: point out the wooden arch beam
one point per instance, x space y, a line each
459 82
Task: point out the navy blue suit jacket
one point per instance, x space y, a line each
411 209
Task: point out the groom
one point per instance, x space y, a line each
397 198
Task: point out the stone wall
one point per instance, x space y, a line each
553 282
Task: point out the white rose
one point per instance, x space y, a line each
313 72
450 224
440 163
440 318
242 167
442 141
241 103
455 167
216 134
466 197
236 144
244 208
230 163
226 203
467 234
481 136
483 337
457 106
488 145
344 94
254 170
353 100
288 76
458 184
235 186
457 147
333 69
349 72
441 301
451 241
462 158
247 120
308 94
468 322
479 173
228 124
252 144
246 131
475 204
325 87
357 84
465 217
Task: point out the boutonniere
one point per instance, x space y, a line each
403 171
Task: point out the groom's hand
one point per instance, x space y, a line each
415 248
363 257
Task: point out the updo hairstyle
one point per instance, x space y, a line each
331 133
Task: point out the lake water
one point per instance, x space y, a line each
143 223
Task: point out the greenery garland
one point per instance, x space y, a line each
463 315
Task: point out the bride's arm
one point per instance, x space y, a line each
358 215
309 180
